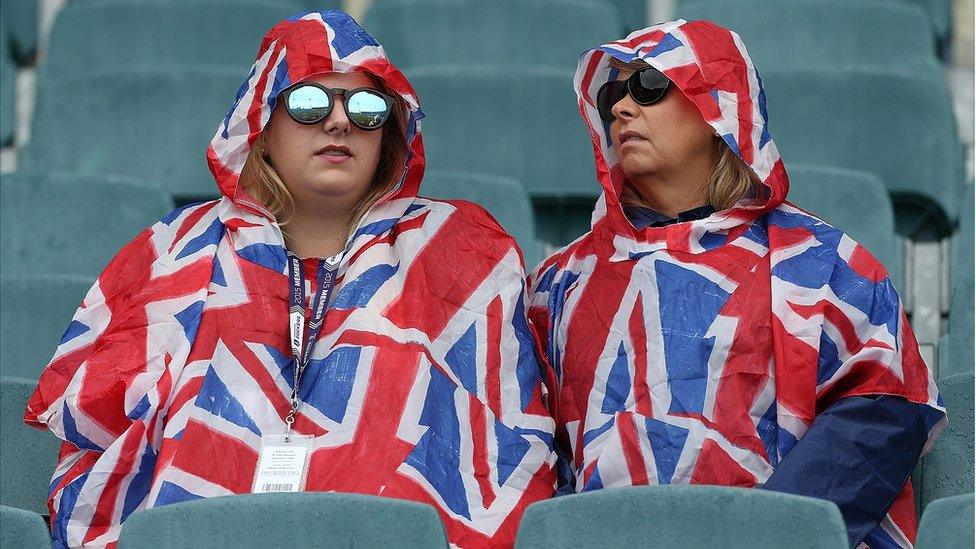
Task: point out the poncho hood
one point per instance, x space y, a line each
295 50
728 91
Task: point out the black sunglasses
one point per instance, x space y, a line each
311 103
646 86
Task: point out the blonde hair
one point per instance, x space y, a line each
262 181
730 181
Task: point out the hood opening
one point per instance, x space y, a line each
711 67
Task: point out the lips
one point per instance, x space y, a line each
630 136
334 151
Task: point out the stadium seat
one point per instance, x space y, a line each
28 455
302 519
23 529
864 212
958 356
503 197
898 125
71 224
838 33
501 32
682 517
947 522
633 13
152 124
34 314
520 123
939 19
109 35
21 24
948 469
8 83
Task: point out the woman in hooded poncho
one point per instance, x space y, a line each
707 331
420 383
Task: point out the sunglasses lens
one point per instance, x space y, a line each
367 109
649 87
608 96
309 104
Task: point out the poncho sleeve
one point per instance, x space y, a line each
101 391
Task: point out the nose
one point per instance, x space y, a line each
625 109
337 123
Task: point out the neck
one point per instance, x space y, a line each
673 193
314 234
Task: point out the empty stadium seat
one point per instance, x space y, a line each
682 517
8 82
939 19
71 224
947 522
958 355
897 125
837 33
854 202
21 25
501 32
153 124
302 519
521 123
34 314
113 34
28 455
23 529
503 197
633 13
948 469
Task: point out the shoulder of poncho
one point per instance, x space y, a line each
192 219
563 257
466 215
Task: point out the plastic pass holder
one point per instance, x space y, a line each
283 464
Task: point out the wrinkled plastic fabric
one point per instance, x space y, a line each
425 383
702 351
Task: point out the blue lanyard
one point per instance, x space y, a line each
302 340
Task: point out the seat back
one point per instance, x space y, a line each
23 529
948 469
28 455
947 522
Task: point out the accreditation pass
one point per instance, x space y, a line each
282 465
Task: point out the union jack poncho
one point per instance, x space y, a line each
424 385
700 352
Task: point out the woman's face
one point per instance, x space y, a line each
664 138
332 160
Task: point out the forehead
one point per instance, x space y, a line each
347 80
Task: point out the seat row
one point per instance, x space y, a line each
673 517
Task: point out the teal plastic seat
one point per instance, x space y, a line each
114 34
503 197
8 83
947 522
71 224
633 13
23 529
948 469
958 355
838 33
899 126
521 123
21 23
152 124
864 212
499 32
28 455
34 314
683 517
937 24
301 519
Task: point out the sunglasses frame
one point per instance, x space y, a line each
345 94
632 80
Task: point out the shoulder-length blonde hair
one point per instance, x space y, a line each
730 181
262 181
